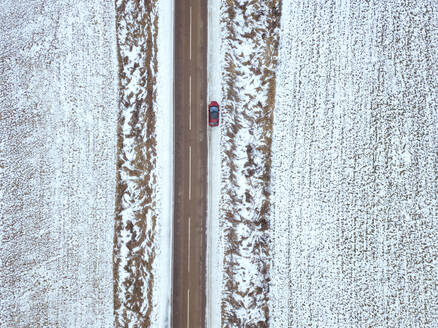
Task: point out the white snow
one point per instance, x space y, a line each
214 242
144 213
244 52
354 165
165 160
58 127
58 114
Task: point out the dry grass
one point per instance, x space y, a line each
255 115
133 295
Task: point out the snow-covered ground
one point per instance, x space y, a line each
215 251
355 162
136 212
142 254
242 51
353 229
165 161
58 114
62 94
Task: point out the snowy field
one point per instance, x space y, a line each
341 230
58 114
355 165
65 86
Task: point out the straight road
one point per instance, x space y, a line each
188 300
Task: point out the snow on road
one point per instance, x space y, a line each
215 251
58 113
355 165
165 160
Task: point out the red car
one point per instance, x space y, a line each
213 114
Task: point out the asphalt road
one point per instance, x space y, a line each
188 298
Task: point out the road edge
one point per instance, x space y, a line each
166 79
214 246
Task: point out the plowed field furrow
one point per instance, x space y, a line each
58 112
355 165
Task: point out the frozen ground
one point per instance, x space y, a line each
355 163
58 113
